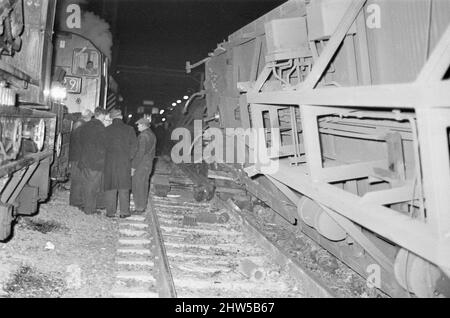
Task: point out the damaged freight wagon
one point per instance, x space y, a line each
27 128
353 99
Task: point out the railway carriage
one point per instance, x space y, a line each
350 103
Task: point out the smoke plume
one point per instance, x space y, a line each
92 26
97 30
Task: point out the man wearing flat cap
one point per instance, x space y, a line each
143 164
120 149
76 187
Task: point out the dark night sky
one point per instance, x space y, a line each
164 34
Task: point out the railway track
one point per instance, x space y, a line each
136 276
183 248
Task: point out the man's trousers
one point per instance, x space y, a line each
92 182
111 201
140 187
76 186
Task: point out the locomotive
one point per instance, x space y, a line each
347 106
82 70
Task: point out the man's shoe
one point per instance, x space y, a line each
124 216
110 216
94 212
135 211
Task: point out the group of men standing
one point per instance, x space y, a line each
107 161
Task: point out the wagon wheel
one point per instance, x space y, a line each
6 219
39 134
3 154
58 145
16 137
7 97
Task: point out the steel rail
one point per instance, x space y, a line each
314 286
166 285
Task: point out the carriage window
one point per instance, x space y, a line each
85 62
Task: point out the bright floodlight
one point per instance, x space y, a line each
174 104
163 119
178 101
58 92
185 97
161 111
130 115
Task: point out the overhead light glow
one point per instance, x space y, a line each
130 115
185 97
174 104
161 111
163 119
178 101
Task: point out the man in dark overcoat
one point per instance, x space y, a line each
76 187
92 159
143 164
120 146
101 195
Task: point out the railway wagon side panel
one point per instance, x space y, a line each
27 134
406 35
26 58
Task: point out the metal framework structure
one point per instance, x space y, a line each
371 152
429 96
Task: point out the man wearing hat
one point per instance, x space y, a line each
143 164
120 149
92 159
76 187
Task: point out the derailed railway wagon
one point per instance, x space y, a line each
27 128
350 105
